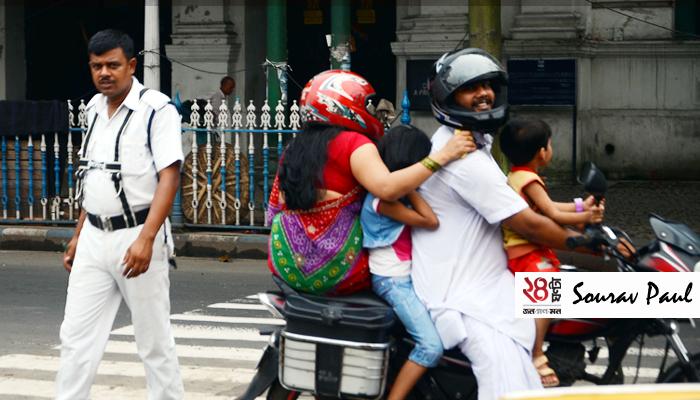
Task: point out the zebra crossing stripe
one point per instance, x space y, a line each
627 371
238 306
187 351
206 332
226 320
46 389
646 352
199 378
214 352
129 369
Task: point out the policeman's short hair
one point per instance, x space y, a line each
522 138
109 39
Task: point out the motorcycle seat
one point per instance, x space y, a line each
366 298
456 354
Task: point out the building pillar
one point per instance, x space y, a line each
13 71
485 33
276 51
204 38
485 27
151 42
340 32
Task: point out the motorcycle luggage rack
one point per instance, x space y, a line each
333 367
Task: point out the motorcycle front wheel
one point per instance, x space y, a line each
675 372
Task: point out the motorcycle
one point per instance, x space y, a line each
676 248
352 347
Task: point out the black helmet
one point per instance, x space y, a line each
461 68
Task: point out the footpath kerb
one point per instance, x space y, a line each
628 204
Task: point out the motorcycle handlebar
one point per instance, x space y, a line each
593 236
577 241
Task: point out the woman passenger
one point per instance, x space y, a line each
316 237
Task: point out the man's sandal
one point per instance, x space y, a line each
542 365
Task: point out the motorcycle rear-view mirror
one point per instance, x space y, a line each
593 180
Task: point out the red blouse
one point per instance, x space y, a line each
337 174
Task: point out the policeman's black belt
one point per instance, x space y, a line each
117 222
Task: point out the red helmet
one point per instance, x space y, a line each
340 98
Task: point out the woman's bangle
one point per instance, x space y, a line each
431 164
578 202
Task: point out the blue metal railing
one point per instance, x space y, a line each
235 187
3 148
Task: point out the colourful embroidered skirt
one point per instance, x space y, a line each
320 251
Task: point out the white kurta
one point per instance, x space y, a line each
460 270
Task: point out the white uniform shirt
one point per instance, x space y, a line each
461 268
139 166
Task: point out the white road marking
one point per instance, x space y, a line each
46 389
629 372
634 351
224 353
206 332
238 306
227 320
128 368
200 378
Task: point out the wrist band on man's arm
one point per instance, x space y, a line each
431 164
578 202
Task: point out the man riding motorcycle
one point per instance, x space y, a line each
460 269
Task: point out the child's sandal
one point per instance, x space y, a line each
542 365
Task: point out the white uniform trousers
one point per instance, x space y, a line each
500 364
95 290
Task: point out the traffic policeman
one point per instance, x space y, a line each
128 174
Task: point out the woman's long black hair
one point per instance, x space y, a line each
403 146
301 171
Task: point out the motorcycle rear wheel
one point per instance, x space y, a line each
675 373
278 392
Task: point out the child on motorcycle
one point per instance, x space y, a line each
387 234
527 143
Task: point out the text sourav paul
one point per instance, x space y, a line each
653 294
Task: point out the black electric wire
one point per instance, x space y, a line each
461 40
645 21
172 60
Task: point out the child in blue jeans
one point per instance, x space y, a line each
386 226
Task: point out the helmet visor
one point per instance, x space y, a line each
466 69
